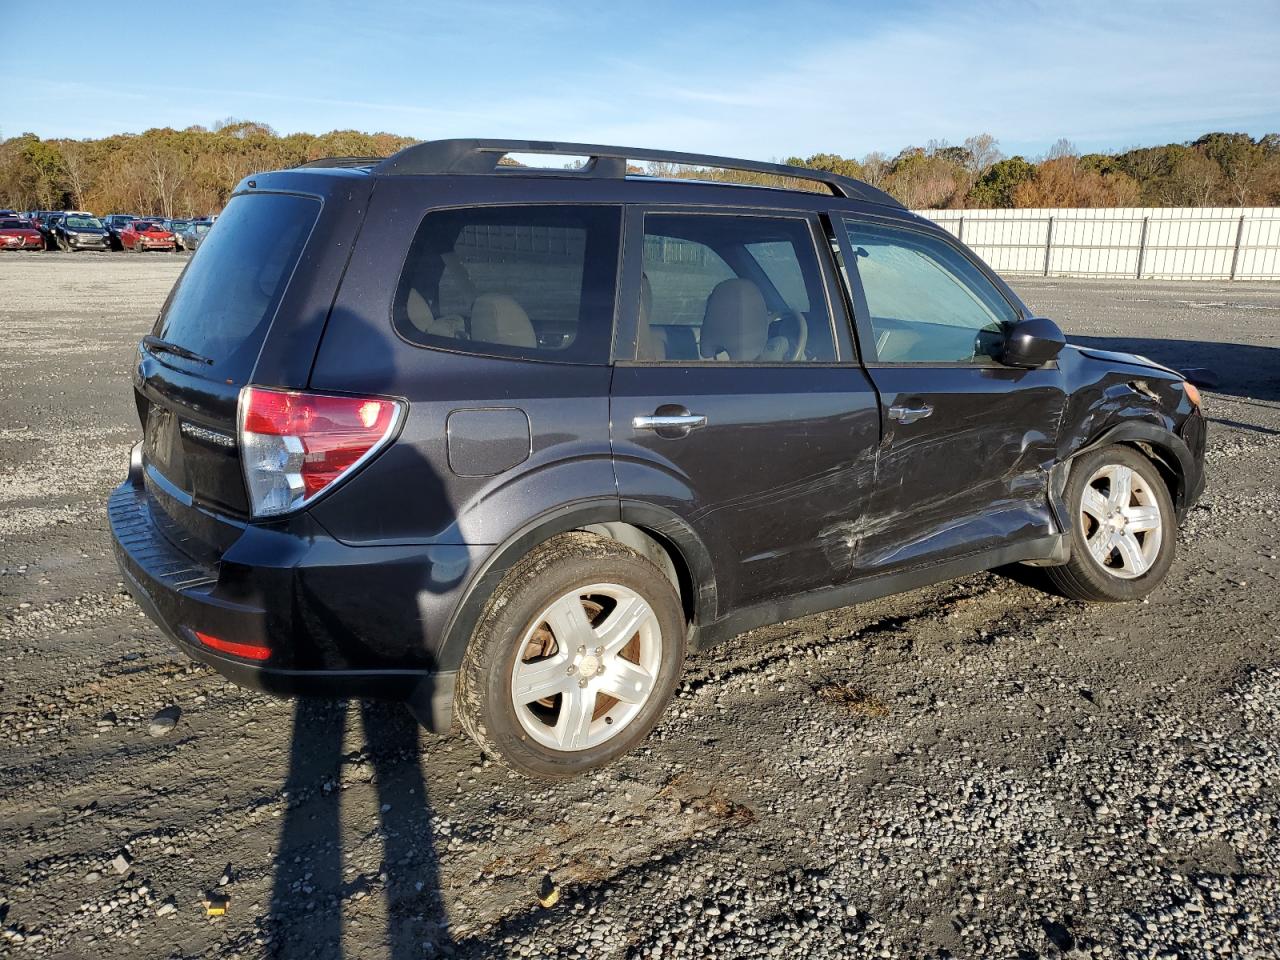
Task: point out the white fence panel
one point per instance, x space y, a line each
1165 243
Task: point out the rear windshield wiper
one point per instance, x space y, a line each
156 345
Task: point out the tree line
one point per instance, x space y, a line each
191 172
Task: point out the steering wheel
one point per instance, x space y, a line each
795 328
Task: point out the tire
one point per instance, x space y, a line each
582 582
1116 556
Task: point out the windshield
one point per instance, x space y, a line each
147 227
225 300
84 223
201 228
11 224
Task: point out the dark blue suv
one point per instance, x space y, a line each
505 442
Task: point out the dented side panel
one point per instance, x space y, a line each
786 456
973 473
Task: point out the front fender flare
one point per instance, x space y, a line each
1171 449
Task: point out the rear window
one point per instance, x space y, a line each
224 301
533 282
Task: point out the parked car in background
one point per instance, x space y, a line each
19 234
141 235
176 226
536 434
76 231
44 221
193 235
114 223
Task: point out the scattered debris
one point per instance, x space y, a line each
216 904
548 892
164 721
856 701
122 862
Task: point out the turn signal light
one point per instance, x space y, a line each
1193 394
250 651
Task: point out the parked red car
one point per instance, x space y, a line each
16 234
146 235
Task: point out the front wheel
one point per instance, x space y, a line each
1122 540
574 660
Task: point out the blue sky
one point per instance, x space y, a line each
745 78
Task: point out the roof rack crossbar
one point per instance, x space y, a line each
475 156
341 162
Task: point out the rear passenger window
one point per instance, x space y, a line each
725 288
534 282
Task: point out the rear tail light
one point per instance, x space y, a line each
295 445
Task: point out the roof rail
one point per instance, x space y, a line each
340 162
480 157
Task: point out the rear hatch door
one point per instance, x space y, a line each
249 308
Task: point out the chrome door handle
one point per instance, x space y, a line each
688 421
910 414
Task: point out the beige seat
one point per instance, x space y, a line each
735 323
653 343
423 318
498 318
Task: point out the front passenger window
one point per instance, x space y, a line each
928 302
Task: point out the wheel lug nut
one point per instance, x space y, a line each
582 682
599 651
573 668
582 650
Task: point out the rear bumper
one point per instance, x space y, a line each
324 642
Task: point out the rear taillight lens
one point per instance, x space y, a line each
295 445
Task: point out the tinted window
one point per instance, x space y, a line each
732 288
225 299
535 282
11 224
928 302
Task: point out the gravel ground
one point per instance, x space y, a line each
975 769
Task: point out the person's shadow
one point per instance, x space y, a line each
314 881
312 886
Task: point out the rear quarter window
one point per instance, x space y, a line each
530 282
223 304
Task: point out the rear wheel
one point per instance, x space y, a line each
1122 541
574 659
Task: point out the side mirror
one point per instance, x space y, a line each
1032 343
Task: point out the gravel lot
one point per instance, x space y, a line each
974 769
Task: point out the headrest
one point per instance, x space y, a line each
736 321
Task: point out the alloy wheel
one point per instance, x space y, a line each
586 666
1120 517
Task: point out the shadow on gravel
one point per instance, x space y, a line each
1241 369
311 886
